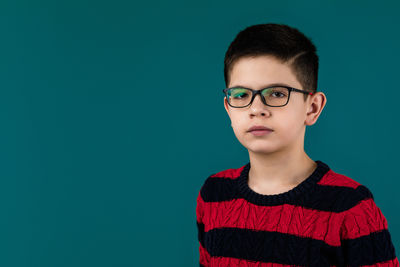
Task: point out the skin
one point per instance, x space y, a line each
278 160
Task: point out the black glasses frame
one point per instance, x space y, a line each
256 92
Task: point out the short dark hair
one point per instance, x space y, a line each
285 43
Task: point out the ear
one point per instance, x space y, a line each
315 106
226 105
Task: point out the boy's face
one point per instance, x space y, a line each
287 122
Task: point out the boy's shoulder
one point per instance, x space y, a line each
230 173
219 182
335 179
342 191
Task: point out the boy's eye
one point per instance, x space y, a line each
276 92
239 93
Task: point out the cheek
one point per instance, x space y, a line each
288 124
239 127
290 129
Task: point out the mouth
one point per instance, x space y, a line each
259 128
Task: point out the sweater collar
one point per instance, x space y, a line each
291 196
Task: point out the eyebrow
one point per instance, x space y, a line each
265 86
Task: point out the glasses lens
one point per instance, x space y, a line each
239 97
274 96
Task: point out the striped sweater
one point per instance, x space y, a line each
328 219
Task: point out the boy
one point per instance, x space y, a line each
283 208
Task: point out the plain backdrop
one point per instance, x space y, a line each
112 118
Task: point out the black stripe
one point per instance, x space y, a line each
323 197
264 246
370 249
216 189
200 233
282 248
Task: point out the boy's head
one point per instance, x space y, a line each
285 43
272 54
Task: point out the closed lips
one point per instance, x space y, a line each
259 128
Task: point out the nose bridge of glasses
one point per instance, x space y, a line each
258 93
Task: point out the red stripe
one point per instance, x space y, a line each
363 219
291 219
204 256
229 173
233 262
330 178
391 263
336 179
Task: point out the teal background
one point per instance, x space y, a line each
112 118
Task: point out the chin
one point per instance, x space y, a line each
260 146
262 151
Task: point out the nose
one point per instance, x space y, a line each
258 107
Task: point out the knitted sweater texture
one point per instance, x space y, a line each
328 219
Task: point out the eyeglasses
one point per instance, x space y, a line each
273 96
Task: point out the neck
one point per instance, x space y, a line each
279 170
